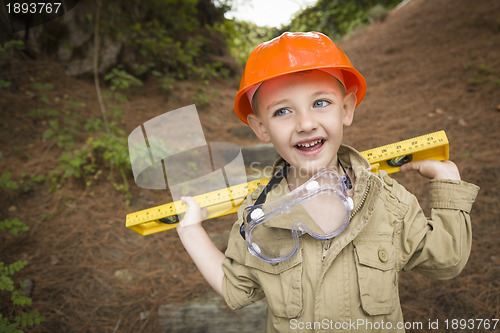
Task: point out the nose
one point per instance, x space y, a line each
305 121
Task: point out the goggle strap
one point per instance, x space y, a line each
275 180
348 182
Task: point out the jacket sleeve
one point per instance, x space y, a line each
240 287
439 246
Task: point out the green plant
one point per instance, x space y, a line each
40 113
29 181
63 135
377 13
6 183
204 94
242 37
167 83
72 164
101 152
14 226
5 84
7 48
15 317
105 152
336 18
121 80
172 37
42 86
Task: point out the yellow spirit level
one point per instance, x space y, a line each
226 201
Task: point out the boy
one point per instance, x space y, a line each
298 91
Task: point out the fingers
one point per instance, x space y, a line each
190 202
433 169
194 215
426 168
411 166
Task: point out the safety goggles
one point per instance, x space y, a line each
320 208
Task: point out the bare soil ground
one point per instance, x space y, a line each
430 65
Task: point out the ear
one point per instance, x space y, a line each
258 127
350 100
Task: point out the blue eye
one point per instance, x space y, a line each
281 112
321 103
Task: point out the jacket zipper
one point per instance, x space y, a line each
327 243
326 246
362 202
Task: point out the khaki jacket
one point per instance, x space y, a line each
350 283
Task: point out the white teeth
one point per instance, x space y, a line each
309 144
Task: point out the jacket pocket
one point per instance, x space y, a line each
375 264
281 283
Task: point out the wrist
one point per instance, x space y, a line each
452 174
185 230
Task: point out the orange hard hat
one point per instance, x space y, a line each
294 52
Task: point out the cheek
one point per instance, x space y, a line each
279 137
334 119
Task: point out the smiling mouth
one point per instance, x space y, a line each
310 146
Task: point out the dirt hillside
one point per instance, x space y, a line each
430 65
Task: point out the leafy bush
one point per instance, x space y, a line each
7 48
121 80
8 52
6 183
14 226
336 18
101 151
15 318
164 36
5 84
243 37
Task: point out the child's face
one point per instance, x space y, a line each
303 115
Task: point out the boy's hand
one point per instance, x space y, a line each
194 214
433 169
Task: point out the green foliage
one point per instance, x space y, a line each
100 152
165 36
103 151
204 94
243 37
336 18
7 48
5 84
377 13
39 113
167 83
14 226
29 181
6 183
121 80
7 56
11 322
42 86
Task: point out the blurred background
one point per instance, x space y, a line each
73 86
